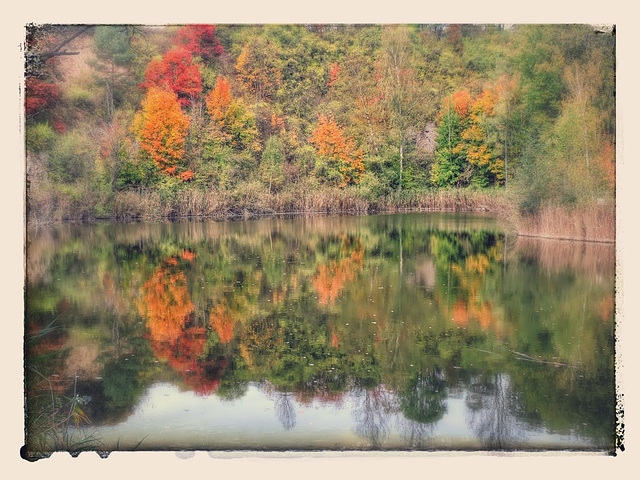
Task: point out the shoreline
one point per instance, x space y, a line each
509 223
591 222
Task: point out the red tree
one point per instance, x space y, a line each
199 40
39 95
177 72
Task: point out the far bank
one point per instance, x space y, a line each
587 222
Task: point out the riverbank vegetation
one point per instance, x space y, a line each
131 122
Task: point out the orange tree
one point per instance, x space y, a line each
161 129
339 151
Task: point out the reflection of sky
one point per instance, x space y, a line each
170 419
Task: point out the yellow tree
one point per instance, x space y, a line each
257 68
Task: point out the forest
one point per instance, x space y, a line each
129 122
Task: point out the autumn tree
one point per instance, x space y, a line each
39 96
257 68
232 123
44 45
479 142
177 72
339 151
466 151
161 128
200 41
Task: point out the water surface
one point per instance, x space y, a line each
417 331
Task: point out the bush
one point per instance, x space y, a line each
370 188
137 174
72 157
80 97
305 157
40 137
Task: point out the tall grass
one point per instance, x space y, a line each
594 222
583 222
253 199
450 200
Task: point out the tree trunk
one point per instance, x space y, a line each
401 167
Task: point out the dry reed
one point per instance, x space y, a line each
589 222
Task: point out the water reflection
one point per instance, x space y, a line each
425 330
492 411
372 414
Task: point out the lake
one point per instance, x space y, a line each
392 332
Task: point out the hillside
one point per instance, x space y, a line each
224 120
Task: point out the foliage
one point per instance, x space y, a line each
177 72
40 137
416 107
114 52
257 68
271 164
200 41
232 123
39 95
161 127
465 154
340 151
72 157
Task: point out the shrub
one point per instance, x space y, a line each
80 97
40 137
72 157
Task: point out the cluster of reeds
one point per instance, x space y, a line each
594 222
253 199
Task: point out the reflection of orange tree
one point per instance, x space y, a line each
183 355
167 306
222 321
331 279
470 276
166 303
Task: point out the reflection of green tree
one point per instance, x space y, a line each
121 383
423 398
569 400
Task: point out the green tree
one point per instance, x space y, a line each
401 91
112 46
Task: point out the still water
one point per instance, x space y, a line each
400 332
